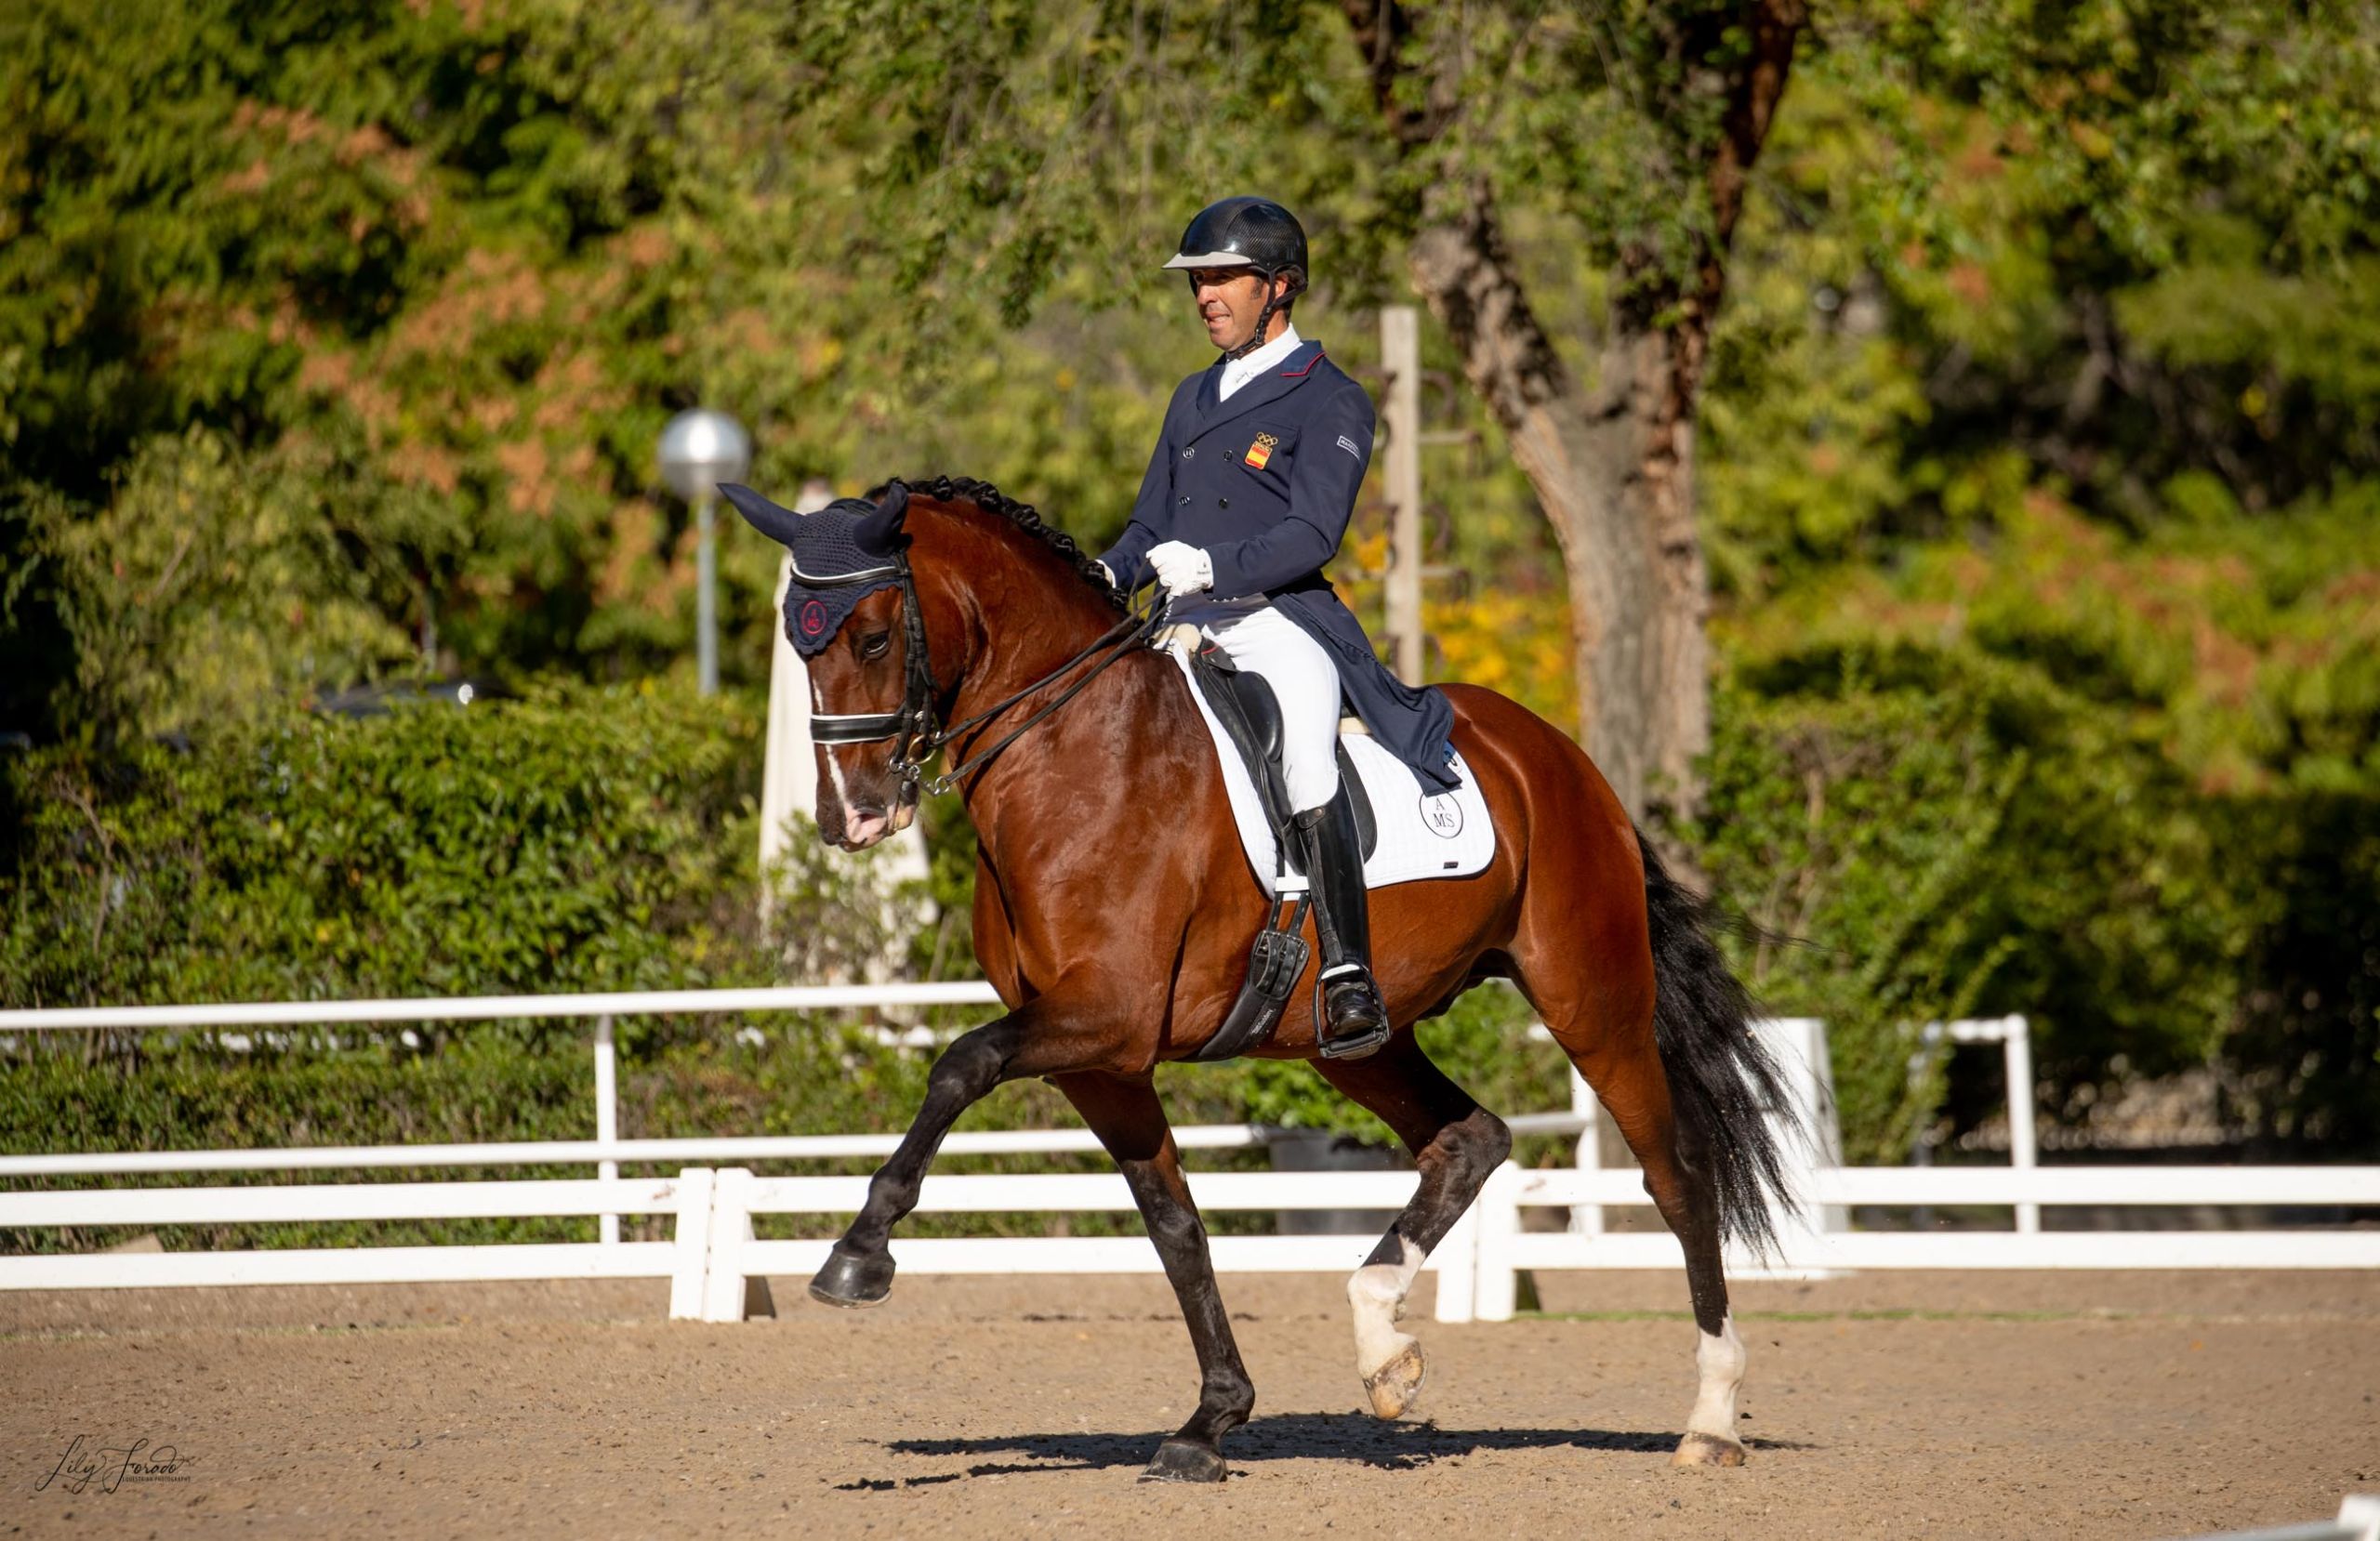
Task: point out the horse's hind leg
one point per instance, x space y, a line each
1607 1031
1455 1143
1124 1111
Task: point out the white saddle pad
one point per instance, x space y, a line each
1446 836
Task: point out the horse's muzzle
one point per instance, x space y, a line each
864 827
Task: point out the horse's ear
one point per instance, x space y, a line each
879 534
776 523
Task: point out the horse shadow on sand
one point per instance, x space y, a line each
1355 1438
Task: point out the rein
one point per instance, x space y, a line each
913 724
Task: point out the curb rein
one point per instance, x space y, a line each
913 724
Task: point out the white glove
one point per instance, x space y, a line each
1181 569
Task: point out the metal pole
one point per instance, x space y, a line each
1400 352
707 601
607 1117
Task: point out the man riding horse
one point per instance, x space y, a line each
939 618
1246 499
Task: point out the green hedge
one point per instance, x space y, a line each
1925 835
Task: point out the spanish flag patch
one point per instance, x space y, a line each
1261 450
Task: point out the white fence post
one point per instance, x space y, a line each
607 1118
1497 1293
1458 1265
695 1184
730 1231
1799 1045
1586 1219
2018 1047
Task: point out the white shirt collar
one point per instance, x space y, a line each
1239 371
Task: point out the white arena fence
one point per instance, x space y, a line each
714 1251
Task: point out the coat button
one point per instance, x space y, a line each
1185 502
1223 503
1188 452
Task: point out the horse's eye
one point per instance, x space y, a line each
876 646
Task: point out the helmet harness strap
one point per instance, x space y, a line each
1273 302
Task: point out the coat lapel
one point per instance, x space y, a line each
1261 392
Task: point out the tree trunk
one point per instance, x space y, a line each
1613 468
1612 463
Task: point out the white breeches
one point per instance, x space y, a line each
1262 641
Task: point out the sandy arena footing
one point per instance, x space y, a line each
2108 1405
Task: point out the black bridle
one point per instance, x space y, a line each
913 723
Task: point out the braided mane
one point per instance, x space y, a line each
983 495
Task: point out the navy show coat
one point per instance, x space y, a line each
1264 483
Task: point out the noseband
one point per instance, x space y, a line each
913 725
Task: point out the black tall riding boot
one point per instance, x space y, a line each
1354 1021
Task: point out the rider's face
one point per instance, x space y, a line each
1229 300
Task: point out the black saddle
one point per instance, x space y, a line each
1244 704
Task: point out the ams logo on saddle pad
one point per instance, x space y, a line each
1261 450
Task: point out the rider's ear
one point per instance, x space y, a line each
776 523
880 533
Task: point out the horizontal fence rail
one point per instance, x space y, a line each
462 1008
711 1206
570 1152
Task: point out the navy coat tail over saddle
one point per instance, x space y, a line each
1264 483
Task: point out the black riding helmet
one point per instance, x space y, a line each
1256 233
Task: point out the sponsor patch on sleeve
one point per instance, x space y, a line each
1351 446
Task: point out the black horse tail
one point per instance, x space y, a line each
1730 1101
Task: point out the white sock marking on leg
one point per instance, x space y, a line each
1375 1291
1721 1361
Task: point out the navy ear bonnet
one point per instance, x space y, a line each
841 554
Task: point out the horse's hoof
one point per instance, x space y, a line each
1394 1386
1708 1450
851 1279
1181 1461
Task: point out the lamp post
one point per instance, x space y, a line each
699 450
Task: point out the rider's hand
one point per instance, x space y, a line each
1181 569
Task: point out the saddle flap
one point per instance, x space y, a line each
1251 716
1412 832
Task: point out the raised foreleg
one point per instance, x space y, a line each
859 1270
1455 1143
1124 1111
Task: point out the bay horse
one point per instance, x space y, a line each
1114 911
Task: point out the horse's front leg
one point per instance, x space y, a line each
859 1270
1124 1111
